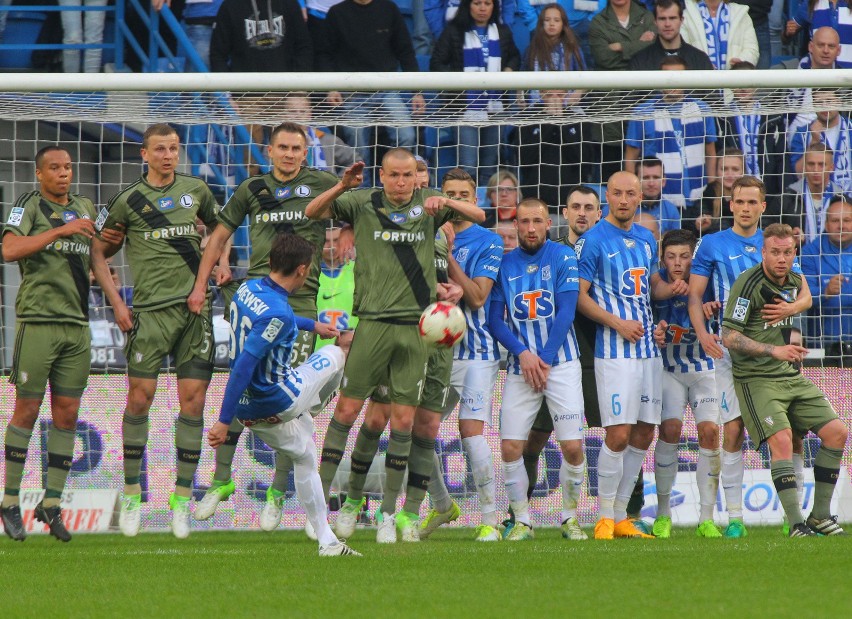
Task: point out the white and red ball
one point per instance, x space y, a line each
442 324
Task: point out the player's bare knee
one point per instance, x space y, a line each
708 435
834 434
26 413
781 445
511 450
798 443
426 423
536 443
617 437
347 410
642 435
572 451
670 430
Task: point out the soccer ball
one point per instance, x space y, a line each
442 324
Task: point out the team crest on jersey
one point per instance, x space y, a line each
303 191
532 305
545 272
282 192
398 218
461 255
186 201
648 250
740 309
16 216
578 247
68 216
532 268
750 249
166 204
415 212
630 243
272 329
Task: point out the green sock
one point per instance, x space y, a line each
637 497
332 452
283 466
60 454
531 465
188 435
396 461
134 432
826 473
784 478
420 462
366 446
225 452
17 443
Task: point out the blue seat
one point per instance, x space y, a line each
22 28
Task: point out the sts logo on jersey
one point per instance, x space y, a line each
680 335
634 282
532 305
337 318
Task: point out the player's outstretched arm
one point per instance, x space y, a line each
320 207
662 290
468 211
630 330
695 306
17 247
324 330
216 245
734 340
123 315
773 313
475 291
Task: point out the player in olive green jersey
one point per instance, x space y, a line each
776 399
395 280
158 214
273 203
49 234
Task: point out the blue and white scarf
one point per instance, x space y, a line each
841 149
479 57
815 217
316 154
716 32
748 128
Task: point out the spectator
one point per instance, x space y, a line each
721 30
832 129
823 51
553 46
804 203
681 134
649 222
317 11
509 234
663 211
503 195
474 42
370 35
827 265
551 154
325 150
618 32
439 13
260 36
78 29
758 12
668 18
199 18
421 178
759 136
817 14
715 210
580 14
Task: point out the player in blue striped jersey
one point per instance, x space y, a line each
719 259
275 401
618 272
473 264
688 379
537 293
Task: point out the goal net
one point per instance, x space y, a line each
687 134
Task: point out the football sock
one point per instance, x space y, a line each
633 459
17 444
332 452
188 435
482 468
571 480
826 473
438 493
225 452
732 482
396 461
60 453
309 493
420 462
134 432
531 466
283 466
366 446
610 472
516 489
707 474
637 497
784 478
799 467
665 469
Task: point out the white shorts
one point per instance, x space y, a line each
629 390
321 375
564 394
698 389
473 381
291 438
729 405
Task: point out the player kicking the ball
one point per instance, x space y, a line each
276 402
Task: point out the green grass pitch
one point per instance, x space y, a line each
279 574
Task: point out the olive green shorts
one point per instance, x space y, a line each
55 353
437 394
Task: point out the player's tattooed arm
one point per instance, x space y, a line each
734 340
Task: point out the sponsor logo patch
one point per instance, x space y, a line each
101 220
282 192
16 216
272 329
166 204
740 309
398 218
68 216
